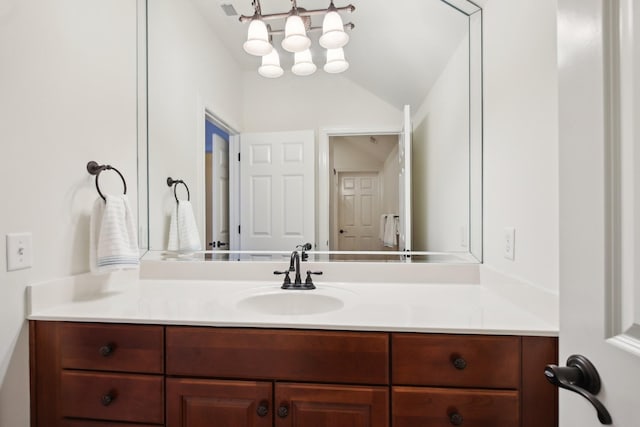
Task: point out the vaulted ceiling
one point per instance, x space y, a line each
396 51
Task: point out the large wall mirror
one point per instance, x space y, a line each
377 162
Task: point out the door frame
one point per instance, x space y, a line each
204 113
324 174
213 223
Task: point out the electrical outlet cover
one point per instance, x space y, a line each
510 243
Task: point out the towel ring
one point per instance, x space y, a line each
175 183
95 169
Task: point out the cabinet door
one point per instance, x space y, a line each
312 405
209 403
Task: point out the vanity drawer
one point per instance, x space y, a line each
439 407
456 360
106 347
116 397
337 357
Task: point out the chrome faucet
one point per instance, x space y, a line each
294 266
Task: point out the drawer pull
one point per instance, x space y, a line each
459 363
108 398
456 419
107 350
283 410
263 409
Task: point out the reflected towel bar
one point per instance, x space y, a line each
175 182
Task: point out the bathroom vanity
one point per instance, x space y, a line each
94 374
191 353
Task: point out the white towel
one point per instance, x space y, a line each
390 236
183 231
113 237
383 219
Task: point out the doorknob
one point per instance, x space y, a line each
221 244
341 231
579 376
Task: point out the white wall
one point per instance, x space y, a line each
314 102
68 85
348 157
440 162
521 138
189 70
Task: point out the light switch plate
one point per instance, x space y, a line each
18 251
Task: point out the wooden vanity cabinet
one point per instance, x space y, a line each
479 381
108 375
305 378
96 375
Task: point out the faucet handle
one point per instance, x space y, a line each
308 283
287 279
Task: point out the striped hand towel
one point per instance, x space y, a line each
113 237
183 231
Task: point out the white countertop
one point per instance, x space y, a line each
441 308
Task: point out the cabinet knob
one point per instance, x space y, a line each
456 419
108 398
459 363
283 411
263 408
107 350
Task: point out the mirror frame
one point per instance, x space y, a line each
476 101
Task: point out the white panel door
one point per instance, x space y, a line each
404 156
277 190
600 203
358 212
220 196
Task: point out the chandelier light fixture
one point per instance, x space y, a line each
271 65
303 65
297 25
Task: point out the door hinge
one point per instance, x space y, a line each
238 229
238 156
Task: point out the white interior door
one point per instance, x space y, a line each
358 211
600 203
277 190
220 193
404 157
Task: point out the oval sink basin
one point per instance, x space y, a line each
290 303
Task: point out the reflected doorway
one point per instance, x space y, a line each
358 211
364 187
216 186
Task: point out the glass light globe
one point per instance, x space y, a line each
335 61
257 43
295 35
270 67
333 34
304 65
